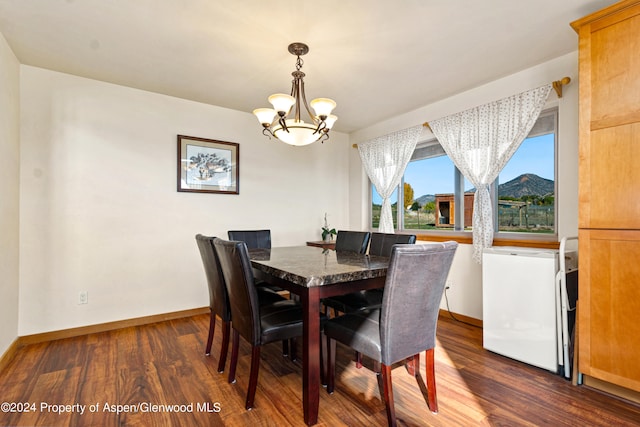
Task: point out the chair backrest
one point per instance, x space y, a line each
353 241
382 243
255 239
413 290
218 297
243 296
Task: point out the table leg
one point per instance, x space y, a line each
311 355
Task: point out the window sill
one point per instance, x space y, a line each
546 242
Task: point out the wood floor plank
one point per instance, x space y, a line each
98 380
52 393
161 368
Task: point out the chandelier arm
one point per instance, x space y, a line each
321 126
282 122
267 132
295 92
306 105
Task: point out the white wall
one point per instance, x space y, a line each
9 194
465 295
99 206
99 210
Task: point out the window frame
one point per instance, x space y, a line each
500 237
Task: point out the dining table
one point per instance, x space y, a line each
313 273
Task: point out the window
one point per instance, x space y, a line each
526 185
429 173
436 196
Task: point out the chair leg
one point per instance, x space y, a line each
376 369
324 346
413 365
358 358
225 346
234 356
331 364
431 381
212 328
253 376
292 350
285 348
388 395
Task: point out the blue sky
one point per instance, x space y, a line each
535 155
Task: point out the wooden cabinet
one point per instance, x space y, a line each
609 194
609 329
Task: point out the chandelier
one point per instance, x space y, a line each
295 131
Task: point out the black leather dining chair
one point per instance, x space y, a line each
256 323
255 239
353 241
405 324
219 298
348 241
380 245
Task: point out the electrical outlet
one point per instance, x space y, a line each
83 297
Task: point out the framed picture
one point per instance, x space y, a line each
208 166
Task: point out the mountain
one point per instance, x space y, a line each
423 200
525 185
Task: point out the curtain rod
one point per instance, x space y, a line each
557 86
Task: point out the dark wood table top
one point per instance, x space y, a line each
331 244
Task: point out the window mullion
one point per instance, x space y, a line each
458 214
400 206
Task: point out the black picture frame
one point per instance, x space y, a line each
208 165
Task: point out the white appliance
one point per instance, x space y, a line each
567 295
520 306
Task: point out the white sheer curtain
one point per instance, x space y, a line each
384 159
480 141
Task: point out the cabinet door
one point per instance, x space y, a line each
609 192
609 306
612 159
614 54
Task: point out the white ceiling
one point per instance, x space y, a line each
375 58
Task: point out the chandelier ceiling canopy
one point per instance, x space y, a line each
293 130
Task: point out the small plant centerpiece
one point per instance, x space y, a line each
327 233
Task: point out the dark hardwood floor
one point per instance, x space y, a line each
164 364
